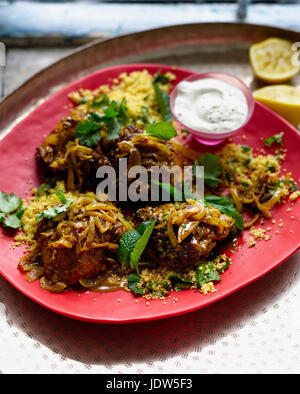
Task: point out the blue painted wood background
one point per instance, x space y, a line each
74 20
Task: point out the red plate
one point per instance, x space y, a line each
19 173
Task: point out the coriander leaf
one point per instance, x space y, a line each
162 130
100 101
207 273
83 100
246 148
9 203
277 138
123 113
226 206
114 116
294 186
227 264
88 133
152 283
163 101
212 168
111 112
12 221
178 282
179 279
160 78
114 129
45 187
52 213
133 280
60 195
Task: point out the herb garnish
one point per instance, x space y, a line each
133 243
11 210
163 101
160 78
133 280
52 213
113 118
207 273
173 193
246 148
100 101
212 169
178 282
162 130
225 205
277 138
45 187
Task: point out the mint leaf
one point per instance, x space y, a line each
225 205
145 231
133 280
207 273
212 169
9 203
126 246
277 138
162 130
173 193
133 243
163 101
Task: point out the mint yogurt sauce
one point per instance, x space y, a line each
210 105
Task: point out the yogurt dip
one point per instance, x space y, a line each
210 105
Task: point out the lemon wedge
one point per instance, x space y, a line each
283 99
272 60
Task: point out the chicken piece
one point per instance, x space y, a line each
64 156
78 244
141 149
148 152
184 232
